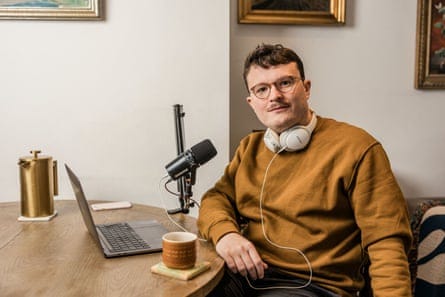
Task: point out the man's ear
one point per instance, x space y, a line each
307 87
249 100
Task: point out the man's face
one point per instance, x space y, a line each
280 110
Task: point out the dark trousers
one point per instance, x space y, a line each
235 285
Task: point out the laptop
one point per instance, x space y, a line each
120 238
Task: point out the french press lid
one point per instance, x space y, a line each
34 157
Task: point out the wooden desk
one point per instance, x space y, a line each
59 257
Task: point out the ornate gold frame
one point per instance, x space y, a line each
92 12
424 78
336 15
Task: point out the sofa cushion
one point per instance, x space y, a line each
428 224
430 279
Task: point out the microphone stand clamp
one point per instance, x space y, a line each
185 197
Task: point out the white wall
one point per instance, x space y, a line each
362 73
99 95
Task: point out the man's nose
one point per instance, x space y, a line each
275 93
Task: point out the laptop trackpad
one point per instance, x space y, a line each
150 231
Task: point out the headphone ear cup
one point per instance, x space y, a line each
295 139
272 140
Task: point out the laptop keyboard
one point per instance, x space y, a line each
122 237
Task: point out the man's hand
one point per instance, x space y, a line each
241 255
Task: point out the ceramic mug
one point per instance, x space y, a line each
179 250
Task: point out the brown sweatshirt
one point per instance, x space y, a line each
336 201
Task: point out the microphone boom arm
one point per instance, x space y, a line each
184 182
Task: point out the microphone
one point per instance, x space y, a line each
191 159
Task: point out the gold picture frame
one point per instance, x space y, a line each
430 45
51 10
292 12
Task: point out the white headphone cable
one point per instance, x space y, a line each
277 245
166 211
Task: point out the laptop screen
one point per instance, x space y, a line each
83 204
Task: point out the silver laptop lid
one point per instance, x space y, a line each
83 204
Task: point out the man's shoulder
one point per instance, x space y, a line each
252 140
342 139
343 131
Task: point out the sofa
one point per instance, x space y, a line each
427 253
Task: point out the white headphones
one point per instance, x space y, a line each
293 139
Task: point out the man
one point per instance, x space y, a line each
301 207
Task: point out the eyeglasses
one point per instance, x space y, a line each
284 85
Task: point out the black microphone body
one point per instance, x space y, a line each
191 159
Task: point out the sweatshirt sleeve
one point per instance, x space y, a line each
389 268
382 216
217 214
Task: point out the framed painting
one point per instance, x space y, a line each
293 12
430 45
51 9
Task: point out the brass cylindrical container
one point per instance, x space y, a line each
38 185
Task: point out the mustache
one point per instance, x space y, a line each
276 105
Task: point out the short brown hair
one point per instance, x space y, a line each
266 55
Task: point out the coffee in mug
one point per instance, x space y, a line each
179 250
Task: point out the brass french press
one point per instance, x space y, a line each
38 185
